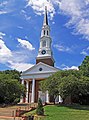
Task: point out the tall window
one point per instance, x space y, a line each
44 32
47 32
44 44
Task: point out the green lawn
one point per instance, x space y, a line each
67 113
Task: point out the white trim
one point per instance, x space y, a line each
47 97
27 91
40 63
33 91
21 98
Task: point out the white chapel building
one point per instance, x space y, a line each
43 68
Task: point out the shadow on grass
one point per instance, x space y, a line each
75 106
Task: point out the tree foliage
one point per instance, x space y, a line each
10 87
76 88
84 67
10 74
69 83
51 84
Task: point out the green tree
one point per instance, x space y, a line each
54 82
69 83
10 87
76 89
52 85
10 74
84 67
10 90
40 109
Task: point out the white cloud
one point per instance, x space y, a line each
15 59
2 35
20 27
64 67
38 6
19 66
25 44
2 4
85 52
3 12
76 10
5 52
27 17
62 48
6 6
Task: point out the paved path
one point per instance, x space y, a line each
8 113
10 118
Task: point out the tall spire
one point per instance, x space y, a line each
45 54
45 17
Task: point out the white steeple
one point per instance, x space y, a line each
45 29
45 50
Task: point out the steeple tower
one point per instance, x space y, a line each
45 54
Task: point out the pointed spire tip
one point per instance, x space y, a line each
45 17
45 7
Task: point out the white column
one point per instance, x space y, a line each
47 97
60 99
33 91
27 91
21 99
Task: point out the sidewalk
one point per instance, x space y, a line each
10 118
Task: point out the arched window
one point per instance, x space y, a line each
47 32
44 44
44 32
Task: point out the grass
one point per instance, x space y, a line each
67 113
76 112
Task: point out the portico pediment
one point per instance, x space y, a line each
40 69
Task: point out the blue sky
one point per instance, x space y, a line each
20 27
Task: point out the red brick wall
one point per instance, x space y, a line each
47 61
36 90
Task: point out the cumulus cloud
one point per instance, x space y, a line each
19 66
15 59
76 10
26 16
85 52
64 67
5 52
2 35
62 48
25 44
38 6
6 6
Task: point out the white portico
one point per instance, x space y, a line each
32 77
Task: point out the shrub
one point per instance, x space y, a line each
40 109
